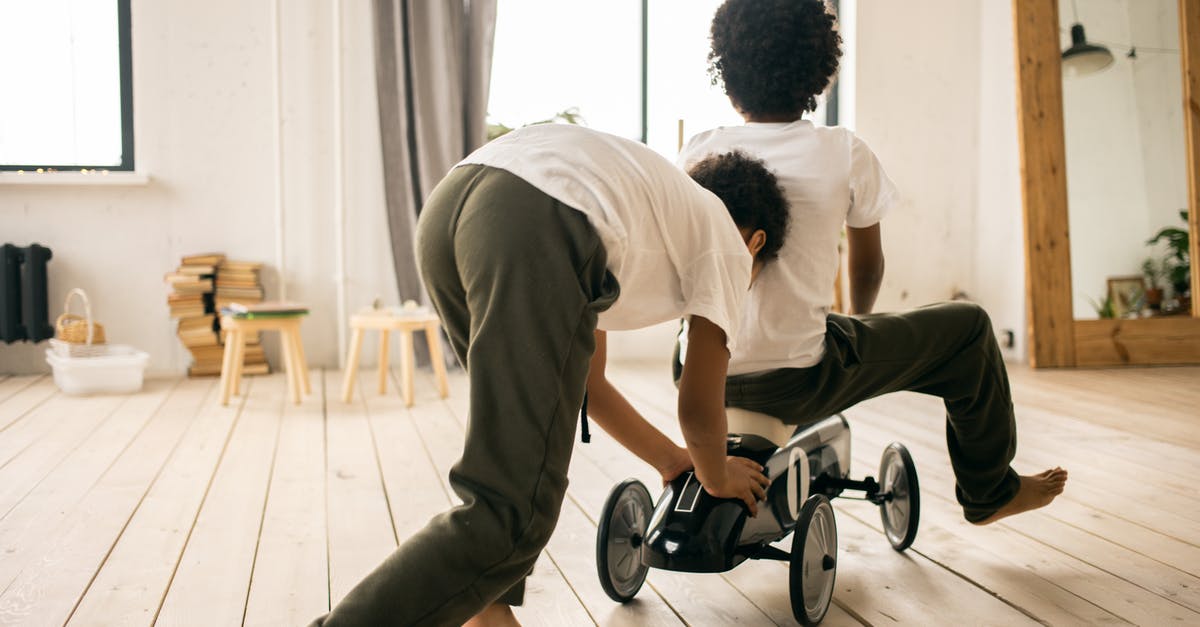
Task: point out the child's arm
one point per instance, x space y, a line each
865 267
702 418
733 477
609 408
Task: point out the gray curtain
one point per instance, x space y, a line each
433 62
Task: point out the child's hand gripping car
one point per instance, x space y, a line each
691 531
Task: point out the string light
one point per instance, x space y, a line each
82 171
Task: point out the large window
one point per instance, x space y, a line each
65 79
555 55
635 68
679 90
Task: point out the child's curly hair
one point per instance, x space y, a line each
751 194
774 57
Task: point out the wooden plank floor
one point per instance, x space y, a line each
165 508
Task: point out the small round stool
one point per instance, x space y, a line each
746 421
237 329
386 322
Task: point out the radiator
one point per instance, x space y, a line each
24 314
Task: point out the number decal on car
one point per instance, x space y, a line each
797 494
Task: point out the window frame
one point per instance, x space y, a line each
125 63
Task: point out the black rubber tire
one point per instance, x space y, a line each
901 515
623 523
814 561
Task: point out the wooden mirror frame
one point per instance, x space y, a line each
1056 338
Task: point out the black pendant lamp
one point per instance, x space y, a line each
1084 58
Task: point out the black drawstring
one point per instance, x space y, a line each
585 436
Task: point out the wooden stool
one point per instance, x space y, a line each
237 329
385 322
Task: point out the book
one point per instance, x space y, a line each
187 312
265 309
210 259
204 370
262 315
237 285
239 295
195 330
242 290
230 265
256 369
269 314
193 341
186 284
197 270
204 321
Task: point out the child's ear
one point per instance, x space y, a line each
757 241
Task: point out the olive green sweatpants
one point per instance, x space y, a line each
946 350
518 280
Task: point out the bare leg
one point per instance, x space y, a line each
1035 491
494 615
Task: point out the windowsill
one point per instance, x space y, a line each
103 177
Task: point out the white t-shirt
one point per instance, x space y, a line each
671 244
830 178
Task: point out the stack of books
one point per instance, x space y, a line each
238 285
191 303
238 282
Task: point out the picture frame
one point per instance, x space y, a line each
1128 295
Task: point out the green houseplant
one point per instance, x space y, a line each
1105 309
1176 265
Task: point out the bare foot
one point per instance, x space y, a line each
1035 491
494 615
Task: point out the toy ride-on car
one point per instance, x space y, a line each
691 531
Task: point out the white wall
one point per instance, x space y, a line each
1158 90
936 101
204 80
998 264
918 109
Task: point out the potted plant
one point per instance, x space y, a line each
569 115
1105 308
1154 271
1177 266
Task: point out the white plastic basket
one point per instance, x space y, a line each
119 370
71 349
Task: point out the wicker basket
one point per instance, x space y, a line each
75 335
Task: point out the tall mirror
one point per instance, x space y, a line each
1109 125
1126 157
